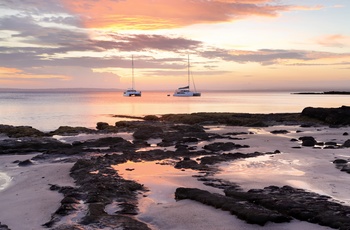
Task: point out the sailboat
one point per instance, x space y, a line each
186 91
131 91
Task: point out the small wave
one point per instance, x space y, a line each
4 180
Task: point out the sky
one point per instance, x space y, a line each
231 44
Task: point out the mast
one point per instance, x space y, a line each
188 70
132 66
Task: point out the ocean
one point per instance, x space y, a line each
46 110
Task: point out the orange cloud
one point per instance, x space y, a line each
4 71
164 14
13 73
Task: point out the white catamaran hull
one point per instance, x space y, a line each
131 92
186 94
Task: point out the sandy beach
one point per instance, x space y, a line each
27 202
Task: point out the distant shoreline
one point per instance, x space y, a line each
326 92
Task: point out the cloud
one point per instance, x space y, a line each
270 56
334 40
139 42
12 73
165 14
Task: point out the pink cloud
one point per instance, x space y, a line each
156 14
334 40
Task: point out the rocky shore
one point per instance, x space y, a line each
98 185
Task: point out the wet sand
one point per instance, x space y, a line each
27 202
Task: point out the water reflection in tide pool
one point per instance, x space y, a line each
258 172
161 178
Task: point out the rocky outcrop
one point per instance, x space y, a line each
223 146
20 131
331 116
148 131
251 213
297 203
30 145
67 130
97 186
273 204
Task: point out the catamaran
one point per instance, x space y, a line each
186 91
131 91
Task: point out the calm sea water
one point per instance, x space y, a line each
47 111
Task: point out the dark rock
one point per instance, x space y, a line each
4 227
251 213
25 163
293 140
305 125
102 125
308 141
297 203
95 212
331 116
345 168
112 142
69 200
236 133
187 163
189 139
67 130
331 143
223 146
346 143
180 147
20 131
345 134
340 161
30 145
148 132
279 131
128 209
189 128
151 118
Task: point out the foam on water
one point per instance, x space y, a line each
4 180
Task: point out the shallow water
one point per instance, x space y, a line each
159 209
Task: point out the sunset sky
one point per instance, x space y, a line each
232 44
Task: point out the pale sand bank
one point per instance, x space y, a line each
27 203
